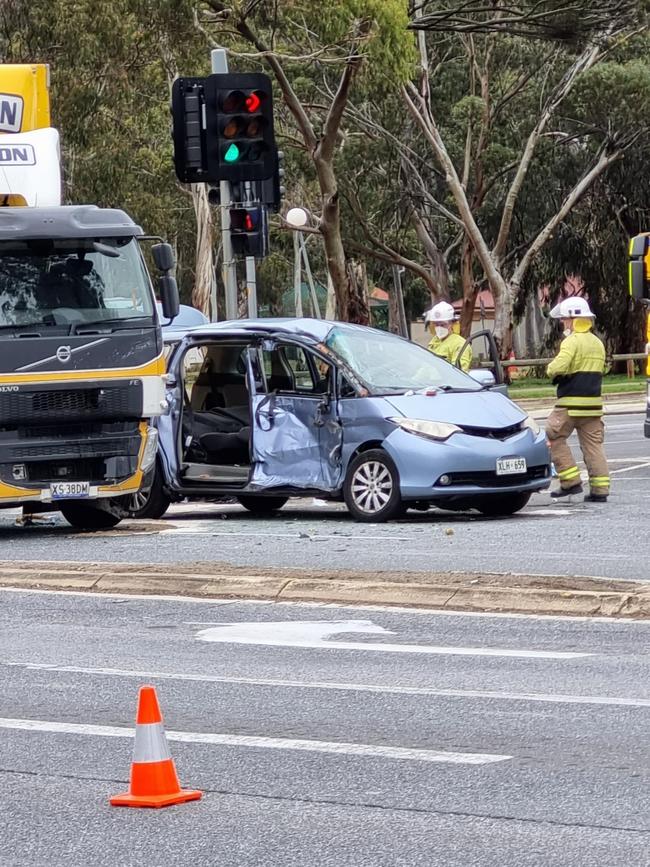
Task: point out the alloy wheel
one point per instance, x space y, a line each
372 487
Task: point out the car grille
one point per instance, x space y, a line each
502 433
489 479
106 401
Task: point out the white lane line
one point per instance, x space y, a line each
217 739
630 469
125 598
326 685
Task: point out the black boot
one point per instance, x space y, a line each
567 492
596 498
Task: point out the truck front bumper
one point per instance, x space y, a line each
91 462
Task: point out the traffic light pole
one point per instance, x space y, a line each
251 275
229 267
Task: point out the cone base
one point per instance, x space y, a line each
129 800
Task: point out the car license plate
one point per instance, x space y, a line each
511 466
69 490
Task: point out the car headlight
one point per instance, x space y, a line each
531 424
150 449
434 430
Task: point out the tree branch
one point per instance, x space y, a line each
584 62
290 97
605 159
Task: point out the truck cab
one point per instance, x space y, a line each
81 353
639 289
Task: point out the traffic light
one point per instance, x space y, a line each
272 189
240 136
188 130
249 230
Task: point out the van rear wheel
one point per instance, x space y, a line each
262 505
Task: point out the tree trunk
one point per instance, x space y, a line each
470 288
503 318
358 300
204 278
351 303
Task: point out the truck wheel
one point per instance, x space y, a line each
500 505
262 505
371 489
149 504
85 516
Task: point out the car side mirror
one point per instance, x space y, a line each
483 377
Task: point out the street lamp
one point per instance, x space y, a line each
297 218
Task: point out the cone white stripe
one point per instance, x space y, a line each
150 743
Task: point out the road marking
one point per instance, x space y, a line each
630 469
218 739
326 685
314 634
395 610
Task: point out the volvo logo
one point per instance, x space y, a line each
64 354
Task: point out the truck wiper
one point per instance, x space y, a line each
123 321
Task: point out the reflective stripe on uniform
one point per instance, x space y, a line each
583 402
571 473
599 481
585 413
150 743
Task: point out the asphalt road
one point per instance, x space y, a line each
423 739
609 541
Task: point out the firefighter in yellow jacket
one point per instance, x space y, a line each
577 370
447 342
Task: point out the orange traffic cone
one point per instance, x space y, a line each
153 775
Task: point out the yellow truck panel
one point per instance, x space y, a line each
24 97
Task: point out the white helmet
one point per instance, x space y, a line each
572 308
441 312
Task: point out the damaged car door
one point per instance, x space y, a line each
297 434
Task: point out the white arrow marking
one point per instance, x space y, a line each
314 633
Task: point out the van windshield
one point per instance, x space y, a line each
72 282
392 365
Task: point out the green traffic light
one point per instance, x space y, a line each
232 154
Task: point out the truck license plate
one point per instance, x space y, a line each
69 490
511 466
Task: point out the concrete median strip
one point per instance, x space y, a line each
453 591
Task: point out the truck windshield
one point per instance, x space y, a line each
72 282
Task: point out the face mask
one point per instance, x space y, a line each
441 331
567 332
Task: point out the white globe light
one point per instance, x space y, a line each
297 217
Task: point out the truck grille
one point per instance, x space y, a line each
110 400
101 448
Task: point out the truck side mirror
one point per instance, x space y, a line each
163 256
169 297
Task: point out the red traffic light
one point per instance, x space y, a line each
253 102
